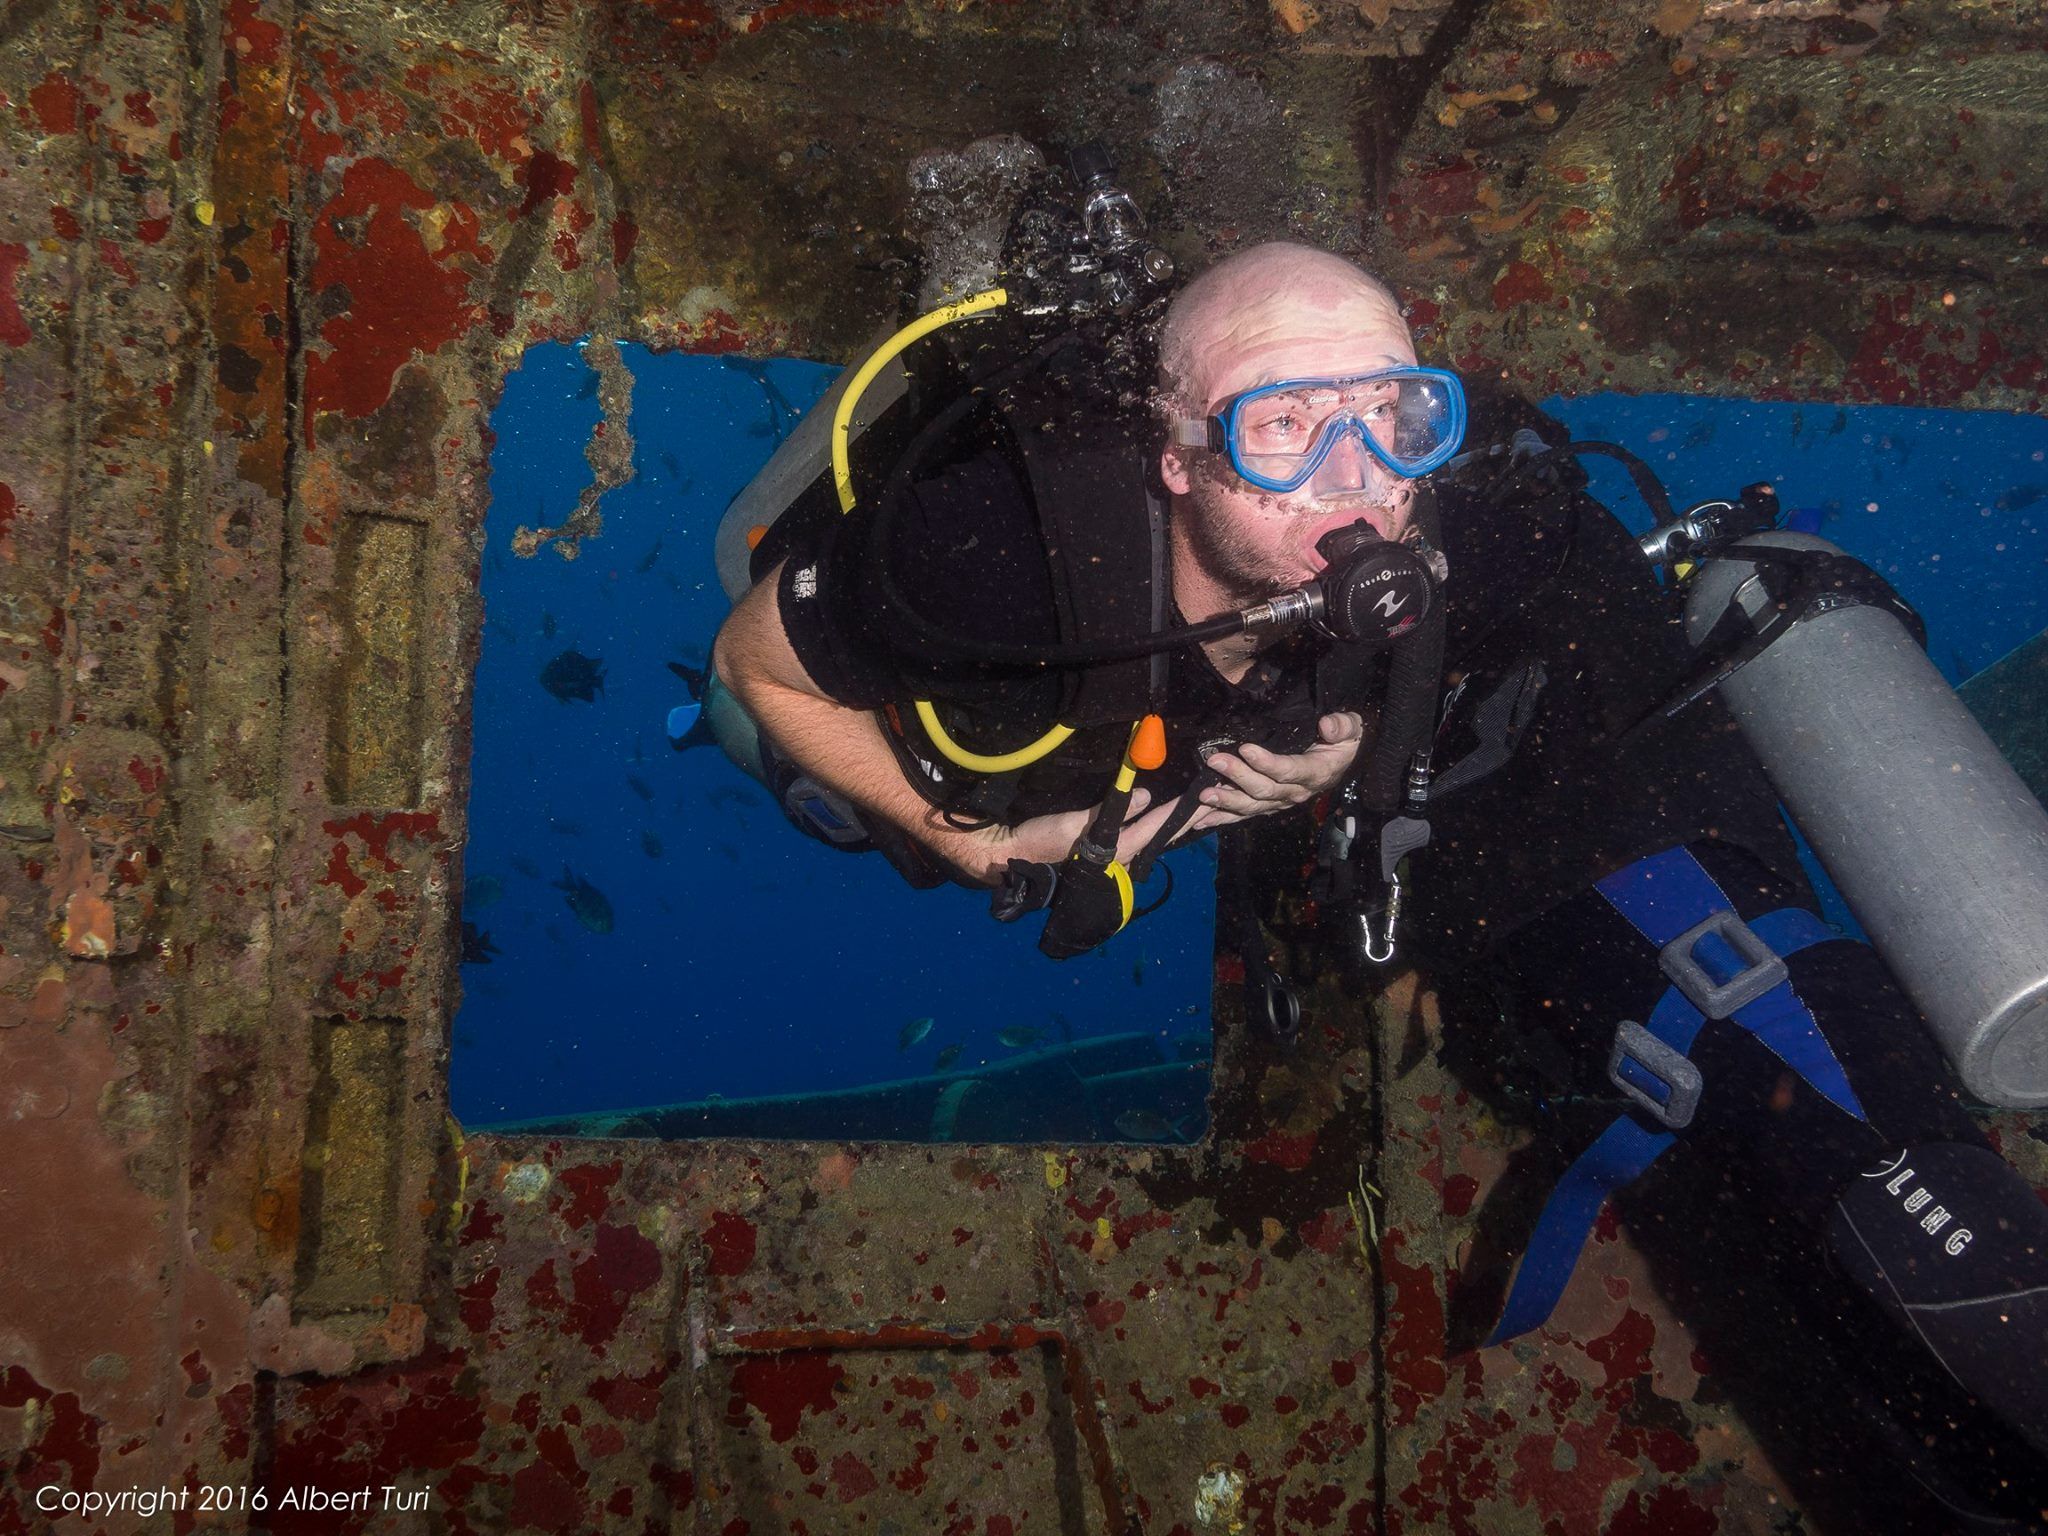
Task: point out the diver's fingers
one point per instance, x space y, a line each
1140 799
1270 778
1341 726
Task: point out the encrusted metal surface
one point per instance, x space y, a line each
263 269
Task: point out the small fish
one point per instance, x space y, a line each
562 826
647 560
1145 1125
732 854
1138 971
481 892
592 910
524 866
1841 420
573 675
732 794
1066 1026
464 1040
780 410
639 786
913 1032
1020 1036
947 1056
477 948
2013 497
650 845
1798 422
1701 435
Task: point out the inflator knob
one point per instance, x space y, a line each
1148 743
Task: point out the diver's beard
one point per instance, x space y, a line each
1245 573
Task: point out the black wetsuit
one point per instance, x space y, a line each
965 547
1534 967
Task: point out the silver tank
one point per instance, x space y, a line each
1938 847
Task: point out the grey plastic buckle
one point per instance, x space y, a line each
1762 968
1635 1046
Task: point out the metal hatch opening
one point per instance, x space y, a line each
649 948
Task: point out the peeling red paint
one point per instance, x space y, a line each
1459 1192
69 1435
1666 1511
545 177
781 1386
1324 1232
852 1477
1293 1153
729 1243
1625 1349
633 1398
402 298
1137 1391
476 1301
590 1187
56 104
621 1265
14 329
1521 283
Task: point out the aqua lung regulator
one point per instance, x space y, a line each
1369 590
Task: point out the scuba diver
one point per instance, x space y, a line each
1250 594
827 665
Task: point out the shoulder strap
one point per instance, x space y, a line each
1104 524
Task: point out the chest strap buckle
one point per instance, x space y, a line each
1660 1081
1762 969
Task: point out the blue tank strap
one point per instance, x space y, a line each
1664 897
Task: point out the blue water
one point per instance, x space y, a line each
745 959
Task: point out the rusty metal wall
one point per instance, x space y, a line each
263 268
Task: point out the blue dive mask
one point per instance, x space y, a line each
1410 419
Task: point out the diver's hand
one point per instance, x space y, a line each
1049 839
1257 782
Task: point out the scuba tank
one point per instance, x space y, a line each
1936 843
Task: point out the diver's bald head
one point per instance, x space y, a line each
1281 309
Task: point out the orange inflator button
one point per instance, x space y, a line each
1148 744
756 534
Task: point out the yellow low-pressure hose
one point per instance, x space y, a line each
979 762
842 480
923 325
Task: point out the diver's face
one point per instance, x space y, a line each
1254 542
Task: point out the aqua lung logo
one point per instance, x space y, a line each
1391 603
1919 1202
